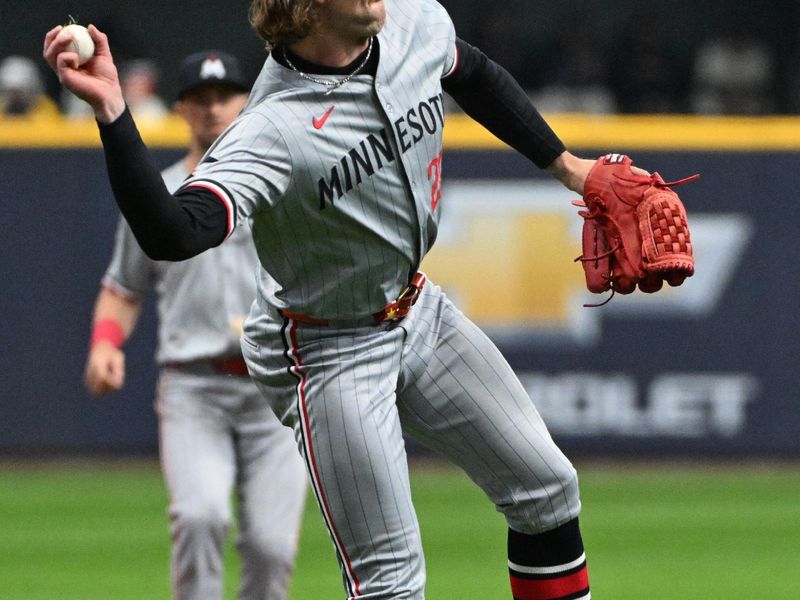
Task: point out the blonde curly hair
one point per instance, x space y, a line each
282 22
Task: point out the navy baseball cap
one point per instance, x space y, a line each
210 67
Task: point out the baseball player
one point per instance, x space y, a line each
337 160
215 429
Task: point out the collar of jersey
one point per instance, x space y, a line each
312 68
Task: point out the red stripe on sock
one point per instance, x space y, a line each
549 589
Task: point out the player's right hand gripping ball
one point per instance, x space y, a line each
635 231
82 43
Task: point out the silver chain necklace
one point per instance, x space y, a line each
329 83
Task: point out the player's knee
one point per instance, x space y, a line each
200 520
545 504
269 551
266 566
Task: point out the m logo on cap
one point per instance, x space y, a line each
212 67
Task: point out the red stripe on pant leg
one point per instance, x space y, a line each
315 473
548 589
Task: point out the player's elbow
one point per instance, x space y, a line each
170 248
171 253
174 242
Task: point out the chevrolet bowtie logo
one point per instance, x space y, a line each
512 268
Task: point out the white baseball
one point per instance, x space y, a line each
82 43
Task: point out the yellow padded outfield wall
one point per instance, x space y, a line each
646 132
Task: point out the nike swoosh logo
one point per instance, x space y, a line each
320 123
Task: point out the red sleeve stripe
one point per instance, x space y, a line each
454 67
224 197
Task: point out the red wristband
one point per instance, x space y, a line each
107 330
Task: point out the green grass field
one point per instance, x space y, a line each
99 531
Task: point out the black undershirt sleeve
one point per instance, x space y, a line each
490 95
167 227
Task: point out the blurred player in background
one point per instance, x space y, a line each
139 80
216 430
22 90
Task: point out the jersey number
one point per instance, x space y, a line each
435 174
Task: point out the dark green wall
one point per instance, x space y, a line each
167 30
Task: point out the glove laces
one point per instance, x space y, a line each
655 180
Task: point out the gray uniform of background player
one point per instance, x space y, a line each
349 390
215 430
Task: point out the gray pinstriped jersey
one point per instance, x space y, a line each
202 301
344 210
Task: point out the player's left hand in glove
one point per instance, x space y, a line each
635 231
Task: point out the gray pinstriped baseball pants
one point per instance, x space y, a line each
218 434
350 394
